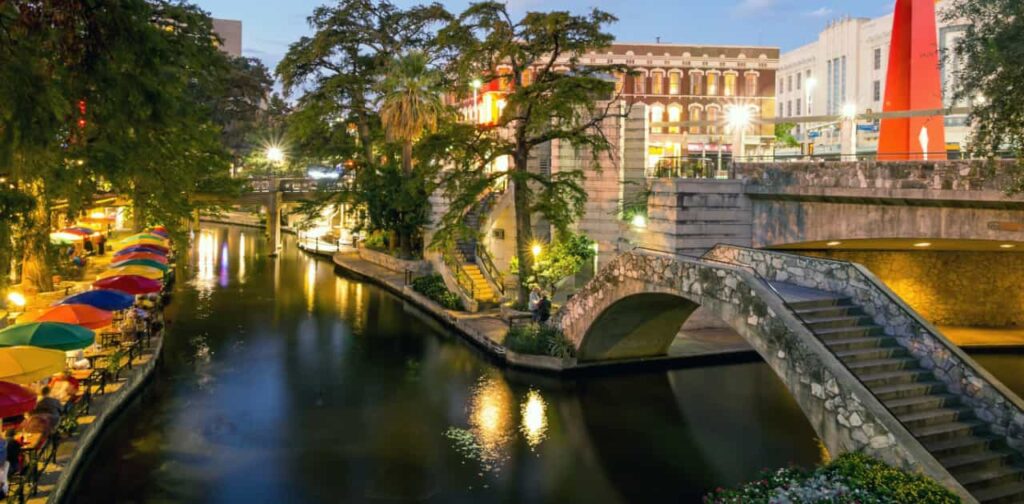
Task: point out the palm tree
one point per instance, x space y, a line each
410 102
410 106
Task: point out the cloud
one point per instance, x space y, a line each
819 12
753 7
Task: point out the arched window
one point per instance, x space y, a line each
675 114
527 77
656 84
695 116
620 82
696 83
713 115
712 88
674 83
639 82
657 116
750 83
730 85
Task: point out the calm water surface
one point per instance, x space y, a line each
284 382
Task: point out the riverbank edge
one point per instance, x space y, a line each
133 385
540 364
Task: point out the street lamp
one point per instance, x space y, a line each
738 118
275 154
536 249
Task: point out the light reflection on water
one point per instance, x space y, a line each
535 419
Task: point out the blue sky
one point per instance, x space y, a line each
269 26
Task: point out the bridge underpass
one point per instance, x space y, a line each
868 372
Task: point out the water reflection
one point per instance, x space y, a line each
242 258
534 425
490 418
310 284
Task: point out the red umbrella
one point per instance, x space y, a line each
15 399
130 284
83 315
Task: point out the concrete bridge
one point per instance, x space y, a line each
868 372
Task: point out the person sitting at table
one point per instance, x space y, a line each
48 404
12 449
40 422
79 361
64 387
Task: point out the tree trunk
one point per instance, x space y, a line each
138 212
524 224
405 235
36 275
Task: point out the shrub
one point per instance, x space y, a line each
433 287
539 339
851 478
375 241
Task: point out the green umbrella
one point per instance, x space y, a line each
52 335
143 236
142 262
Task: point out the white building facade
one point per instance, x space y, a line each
847 65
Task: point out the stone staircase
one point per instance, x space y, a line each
980 460
482 290
467 250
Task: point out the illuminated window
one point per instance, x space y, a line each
712 116
695 116
751 83
638 84
675 114
620 82
527 77
712 84
673 83
696 83
656 83
730 84
657 116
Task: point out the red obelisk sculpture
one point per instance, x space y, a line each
913 83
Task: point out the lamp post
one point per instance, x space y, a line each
809 86
848 144
738 119
275 155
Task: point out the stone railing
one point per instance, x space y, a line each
991 401
976 178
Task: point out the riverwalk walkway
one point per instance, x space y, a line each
73 451
488 328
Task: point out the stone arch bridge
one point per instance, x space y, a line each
867 371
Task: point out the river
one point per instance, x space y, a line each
285 382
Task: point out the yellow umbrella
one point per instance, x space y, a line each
142 271
141 241
25 364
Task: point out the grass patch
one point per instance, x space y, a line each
851 478
539 339
434 288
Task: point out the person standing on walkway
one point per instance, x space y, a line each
544 309
103 244
534 300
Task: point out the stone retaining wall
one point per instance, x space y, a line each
990 399
393 263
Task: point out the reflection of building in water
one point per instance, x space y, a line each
241 258
310 283
534 423
206 275
490 420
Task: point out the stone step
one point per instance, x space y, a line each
894 377
905 405
860 354
905 390
837 345
935 416
824 302
976 443
1010 492
942 432
881 365
816 323
989 478
986 459
829 312
850 332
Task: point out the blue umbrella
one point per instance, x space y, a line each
141 248
104 299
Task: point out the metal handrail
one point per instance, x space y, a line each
454 260
492 270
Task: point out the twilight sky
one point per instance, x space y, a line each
269 26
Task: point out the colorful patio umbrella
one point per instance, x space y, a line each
130 284
144 236
149 249
83 315
103 299
52 335
147 263
142 271
140 255
62 238
25 364
161 232
81 231
15 400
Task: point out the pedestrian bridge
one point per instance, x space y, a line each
868 372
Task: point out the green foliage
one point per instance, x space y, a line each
433 287
375 241
853 478
989 54
784 135
539 339
569 104
564 258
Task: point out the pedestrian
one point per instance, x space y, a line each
544 308
534 299
103 244
48 404
13 452
88 246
